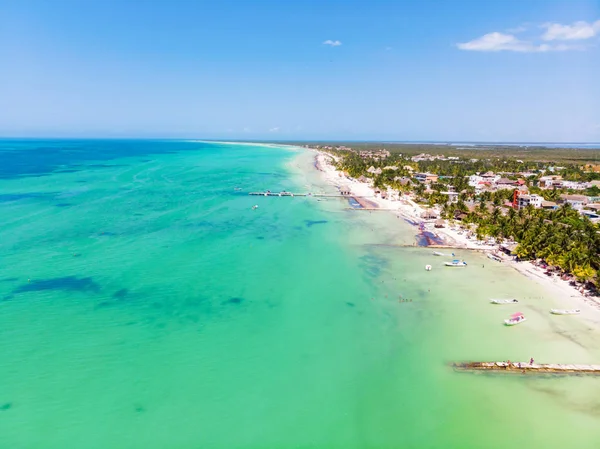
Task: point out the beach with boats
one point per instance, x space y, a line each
433 231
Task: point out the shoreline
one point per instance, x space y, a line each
411 212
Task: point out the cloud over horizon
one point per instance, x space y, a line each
577 31
497 41
332 43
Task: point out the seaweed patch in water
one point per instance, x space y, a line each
310 223
120 294
350 304
6 406
66 283
234 300
63 204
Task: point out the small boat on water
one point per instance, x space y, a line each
456 263
515 318
494 257
428 267
437 253
565 312
255 207
504 301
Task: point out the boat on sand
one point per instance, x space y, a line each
565 312
437 253
515 318
504 301
494 257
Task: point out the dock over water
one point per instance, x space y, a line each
318 195
526 368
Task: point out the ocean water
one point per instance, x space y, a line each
145 304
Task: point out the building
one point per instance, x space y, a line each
427 178
452 196
525 200
505 183
550 182
592 215
489 177
373 170
576 201
549 205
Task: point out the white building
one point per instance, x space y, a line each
525 200
576 201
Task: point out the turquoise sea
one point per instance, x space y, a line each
145 304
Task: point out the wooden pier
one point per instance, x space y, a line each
317 195
526 368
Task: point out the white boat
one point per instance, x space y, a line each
255 207
565 312
515 318
504 301
437 253
456 263
428 267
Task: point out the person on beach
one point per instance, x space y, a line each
531 361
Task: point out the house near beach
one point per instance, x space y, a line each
426 178
452 196
576 201
549 205
525 200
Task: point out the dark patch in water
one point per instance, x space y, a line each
32 175
108 234
68 170
9 279
260 238
105 165
66 283
351 304
6 406
8 197
234 300
139 408
63 204
310 223
138 214
373 265
120 294
8 297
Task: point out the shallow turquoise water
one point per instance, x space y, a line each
146 305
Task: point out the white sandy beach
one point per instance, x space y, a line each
406 208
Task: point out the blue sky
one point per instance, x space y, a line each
508 70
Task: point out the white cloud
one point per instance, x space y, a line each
507 42
332 43
496 42
576 31
274 130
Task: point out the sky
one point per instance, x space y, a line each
507 70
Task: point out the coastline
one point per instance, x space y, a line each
410 211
